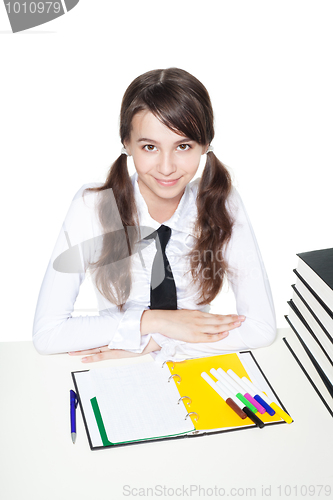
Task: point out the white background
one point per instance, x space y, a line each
268 68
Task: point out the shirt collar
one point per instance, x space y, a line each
183 219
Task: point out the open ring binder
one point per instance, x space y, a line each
175 375
133 403
185 397
192 413
169 361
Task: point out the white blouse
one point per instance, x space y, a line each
56 331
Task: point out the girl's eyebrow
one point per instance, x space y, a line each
145 139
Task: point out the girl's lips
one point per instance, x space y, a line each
167 183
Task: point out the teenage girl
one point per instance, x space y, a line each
166 124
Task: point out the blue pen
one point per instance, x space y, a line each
73 400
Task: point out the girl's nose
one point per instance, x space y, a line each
166 164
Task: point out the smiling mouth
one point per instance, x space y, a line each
167 182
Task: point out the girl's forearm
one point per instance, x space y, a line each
151 322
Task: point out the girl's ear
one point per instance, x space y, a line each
205 149
126 149
209 148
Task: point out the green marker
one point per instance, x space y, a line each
232 387
246 402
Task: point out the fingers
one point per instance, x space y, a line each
95 350
110 354
211 337
225 319
101 356
103 353
93 358
216 325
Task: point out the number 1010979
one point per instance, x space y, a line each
33 7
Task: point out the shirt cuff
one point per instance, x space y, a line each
128 333
169 349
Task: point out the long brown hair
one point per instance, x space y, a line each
181 102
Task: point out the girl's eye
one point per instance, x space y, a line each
181 147
149 147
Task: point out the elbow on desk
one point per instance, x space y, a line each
46 337
264 337
41 342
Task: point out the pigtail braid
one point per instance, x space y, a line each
112 269
213 228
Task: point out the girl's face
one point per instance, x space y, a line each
165 161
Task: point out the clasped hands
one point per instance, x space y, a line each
190 326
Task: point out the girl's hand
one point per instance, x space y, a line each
189 325
102 353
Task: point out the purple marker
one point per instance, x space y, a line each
248 396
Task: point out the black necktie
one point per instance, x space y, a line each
163 294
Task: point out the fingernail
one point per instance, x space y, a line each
237 323
241 317
84 360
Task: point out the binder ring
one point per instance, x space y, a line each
175 375
169 361
192 413
184 397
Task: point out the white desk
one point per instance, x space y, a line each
38 460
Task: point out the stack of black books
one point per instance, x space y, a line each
311 319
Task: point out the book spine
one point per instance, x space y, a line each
308 376
313 360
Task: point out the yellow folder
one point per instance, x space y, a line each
213 411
